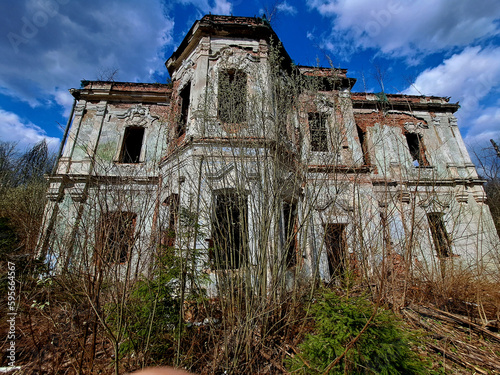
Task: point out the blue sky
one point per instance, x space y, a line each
432 47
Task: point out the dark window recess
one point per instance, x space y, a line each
169 236
364 145
440 237
132 145
229 231
115 236
232 103
417 149
183 119
290 233
317 131
336 248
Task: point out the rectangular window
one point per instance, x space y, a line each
116 236
183 119
169 236
132 145
232 95
364 146
440 236
336 248
290 233
229 230
318 132
417 150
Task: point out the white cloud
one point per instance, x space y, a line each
222 7
24 133
468 76
284 7
484 127
471 77
407 28
53 44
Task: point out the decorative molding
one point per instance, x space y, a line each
138 116
220 173
101 110
79 109
411 127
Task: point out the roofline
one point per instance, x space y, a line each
403 102
207 26
123 92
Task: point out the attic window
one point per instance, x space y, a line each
183 119
132 145
417 149
439 234
317 131
232 103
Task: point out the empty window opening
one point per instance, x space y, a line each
116 236
364 145
183 119
290 233
336 248
440 236
169 236
229 230
317 131
417 149
232 103
132 145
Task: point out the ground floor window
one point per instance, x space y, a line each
290 233
439 234
115 236
336 248
229 230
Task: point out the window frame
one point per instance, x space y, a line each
440 236
322 119
289 232
417 149
110 248
336 255
123 155
229 253
234 110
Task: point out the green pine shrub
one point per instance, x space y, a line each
383 348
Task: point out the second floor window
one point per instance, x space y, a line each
183 119
417 150
132 145
232 95
318 132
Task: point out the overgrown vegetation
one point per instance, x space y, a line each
368 338
22 201
122 302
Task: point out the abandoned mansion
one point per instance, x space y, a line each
246 161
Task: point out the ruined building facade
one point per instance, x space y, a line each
246 161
